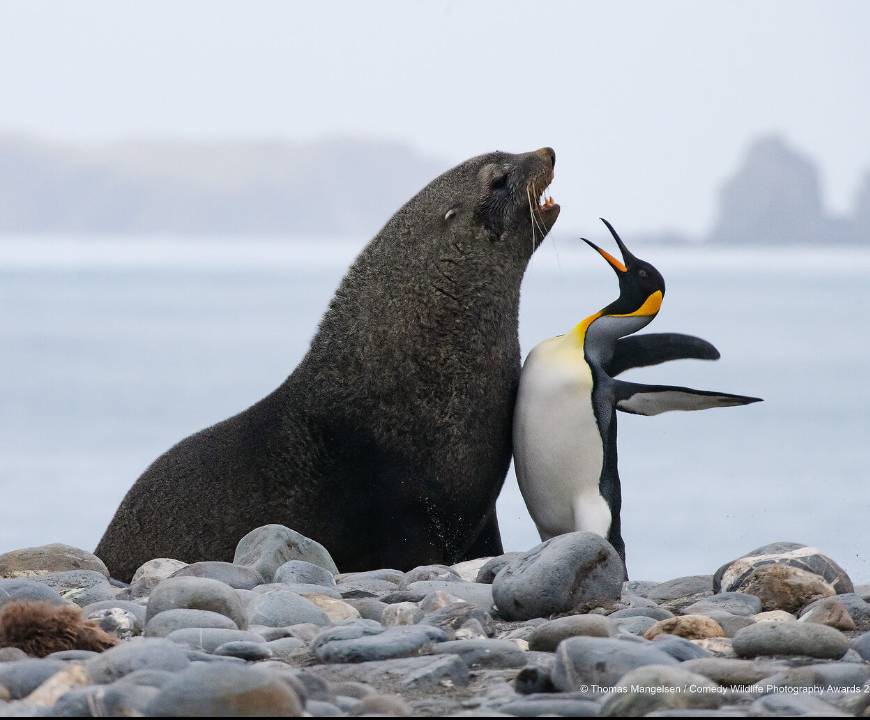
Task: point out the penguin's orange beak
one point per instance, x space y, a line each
614 263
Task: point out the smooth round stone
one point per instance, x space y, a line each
774 616
405 613
644 690
856 606
245 650
792 705
157 569
553 705
336 610
303 589
630 601
425 573
548 635
236 576
473 630
861 645
83 587
209 639
151 678
363 643
680 648
196 594
73 655
136 654
569 572
634 625
286 648
306 573
731 624
601 661
494 566
656 613
140 589
318 708
280 608
168 621
807 639
682 591
467 570
266 548
22 677
691 627
829 612
11 654
454 616
52 558
368 608
483 653
835 675
388 574
479 594
735 603
226 690
25 590
371 587
381 706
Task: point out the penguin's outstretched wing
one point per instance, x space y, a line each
640 399
654 348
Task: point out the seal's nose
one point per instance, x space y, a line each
549 155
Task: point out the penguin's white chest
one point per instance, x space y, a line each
558 451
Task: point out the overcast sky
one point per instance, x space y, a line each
648 104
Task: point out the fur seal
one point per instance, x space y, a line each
389 443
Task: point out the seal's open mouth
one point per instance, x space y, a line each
545 206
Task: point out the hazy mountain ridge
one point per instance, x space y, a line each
344 187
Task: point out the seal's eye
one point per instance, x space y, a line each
498 181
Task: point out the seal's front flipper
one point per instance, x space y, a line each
640 399
654 348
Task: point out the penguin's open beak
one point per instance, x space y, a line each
614 263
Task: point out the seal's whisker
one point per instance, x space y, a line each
532 218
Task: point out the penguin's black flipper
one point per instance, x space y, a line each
654 348
640 399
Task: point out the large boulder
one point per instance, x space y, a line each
52 558
572 572
266 548
783 575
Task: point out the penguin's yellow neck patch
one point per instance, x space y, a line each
650 306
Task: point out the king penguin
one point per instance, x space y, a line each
564 421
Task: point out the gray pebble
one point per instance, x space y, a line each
281 608
236 576
266 548
169 621
299 571
244 649
197 594
136 654
809 639
22 677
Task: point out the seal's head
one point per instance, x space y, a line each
500 196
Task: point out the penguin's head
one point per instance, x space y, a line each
641 286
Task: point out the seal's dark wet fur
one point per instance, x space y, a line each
42 628
390 441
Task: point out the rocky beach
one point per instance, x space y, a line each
781 631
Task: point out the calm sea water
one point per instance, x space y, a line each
112 350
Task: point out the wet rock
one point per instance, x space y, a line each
46 559
806 639
601 661
735 603
156 569
692 627
137 654
494 566
569 572
268 547
209 639
25 590
22 677
300 571
484 653
831 613
280 608
236 576
354 644
547 636
196 593
82 587
208 690
645 690
168 621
